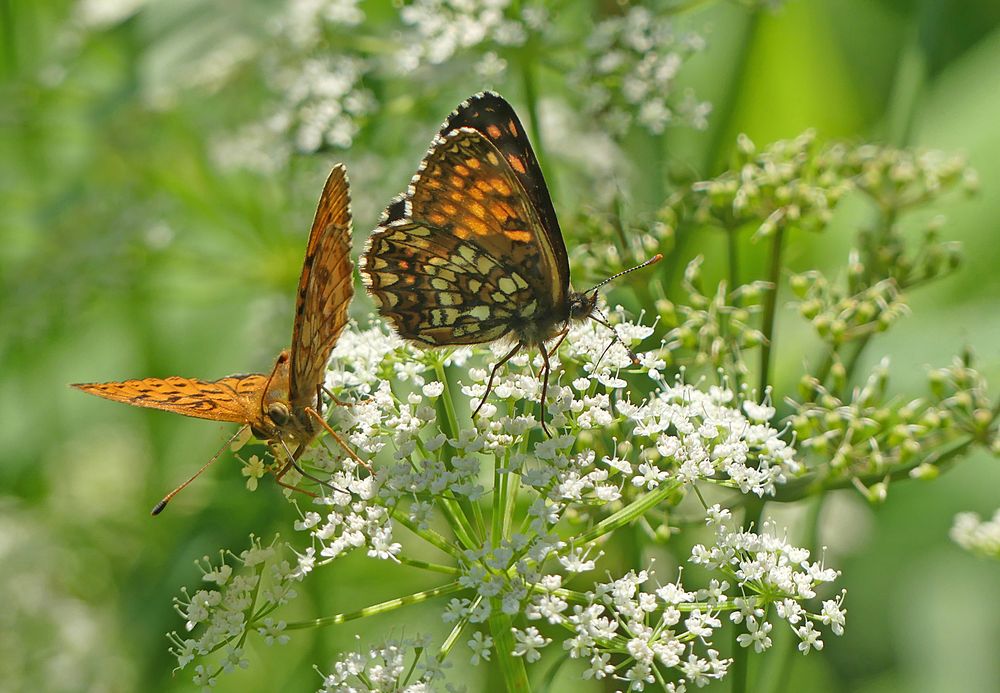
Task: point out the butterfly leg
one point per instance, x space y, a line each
489 385
555 347
336 436
292 457
333 398
544 375
293 462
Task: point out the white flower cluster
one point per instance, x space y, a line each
323 101
770 571
439 29
318 96
387 668
632 635
237 602
981 537
514 499
700 435
630 73
302 21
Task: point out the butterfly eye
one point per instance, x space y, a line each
279 413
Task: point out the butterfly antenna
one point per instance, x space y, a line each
604 321
158 508
653 260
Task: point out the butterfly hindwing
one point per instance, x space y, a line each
465 259
235 398
325 290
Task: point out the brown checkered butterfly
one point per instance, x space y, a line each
285 406
472 252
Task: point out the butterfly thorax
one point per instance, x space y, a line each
550 324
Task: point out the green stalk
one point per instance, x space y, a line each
733 256
433 567
457 511
770 308
724 117
741 655
428 535
629 513
531 100
383 607
500 492
514 674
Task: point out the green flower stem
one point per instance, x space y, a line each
786 646
797 489
629 513
741 657
458 512
456 632
514 674
513 485
427 534
526 60
770 307
499 492
733 257
391 605
723 117
684 6
433 567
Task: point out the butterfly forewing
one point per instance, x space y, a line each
465 260
235 398
325 290
490 114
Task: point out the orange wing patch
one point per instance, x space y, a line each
235 398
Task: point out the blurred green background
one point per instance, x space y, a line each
126 250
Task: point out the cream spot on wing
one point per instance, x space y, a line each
529 310
475 285
443 316
440 284
484 264
480 312
507 285
420 231
519 280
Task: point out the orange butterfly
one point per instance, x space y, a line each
283 407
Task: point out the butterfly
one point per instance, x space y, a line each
472 252
282 407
